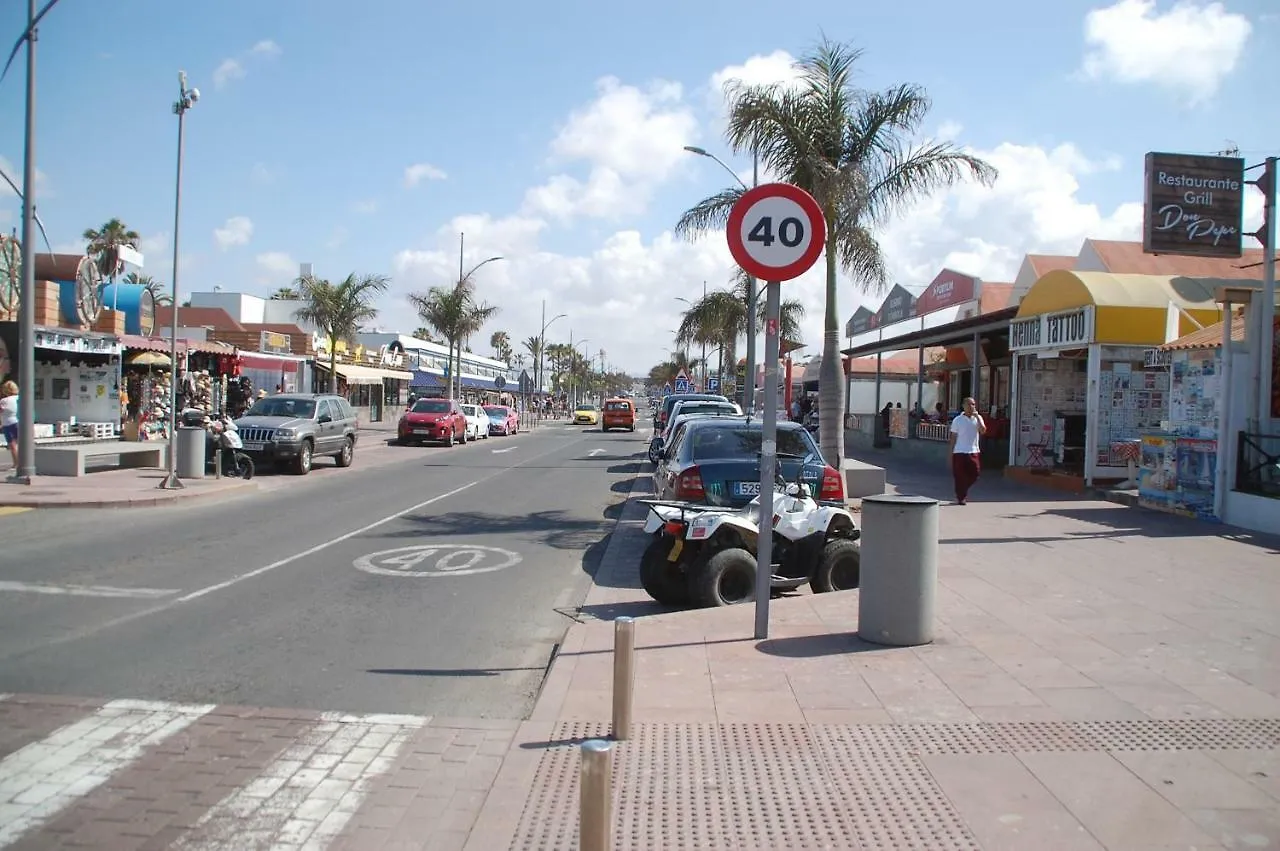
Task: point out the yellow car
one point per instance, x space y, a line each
586 415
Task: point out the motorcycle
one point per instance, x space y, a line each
224 437
706 556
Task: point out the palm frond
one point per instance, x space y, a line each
709 213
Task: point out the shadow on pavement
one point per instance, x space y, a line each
812 646
633 609
553 528
624 485
447 672
632 467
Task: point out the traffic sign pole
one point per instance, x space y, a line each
776 233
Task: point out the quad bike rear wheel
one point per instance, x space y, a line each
839 566
725 579
662 580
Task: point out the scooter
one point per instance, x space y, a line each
706 556
224 438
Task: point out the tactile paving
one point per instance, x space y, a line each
828 786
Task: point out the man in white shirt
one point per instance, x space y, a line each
966 450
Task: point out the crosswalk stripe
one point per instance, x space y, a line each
44 777
306 796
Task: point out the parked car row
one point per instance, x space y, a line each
448 421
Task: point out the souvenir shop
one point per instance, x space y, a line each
76 381
1085 389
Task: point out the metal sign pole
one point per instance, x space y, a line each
768 458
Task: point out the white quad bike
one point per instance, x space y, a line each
706 556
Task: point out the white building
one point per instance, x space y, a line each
428 361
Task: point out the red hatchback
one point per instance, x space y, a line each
439 420
502 420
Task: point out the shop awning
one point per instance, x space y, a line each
210 347
1065 290
422 379
354 374
469 383
952 334
137 342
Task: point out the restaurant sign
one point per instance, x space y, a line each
947 290
1067 329
1152 358
1194 205
899 305
274 343
862 321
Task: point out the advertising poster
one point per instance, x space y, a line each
1197 468
1158 480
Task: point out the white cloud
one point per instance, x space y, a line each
418 172
365 208
229 70
236 230
277 268
777 67
1189 50
629 138
949 131
154 244
266 47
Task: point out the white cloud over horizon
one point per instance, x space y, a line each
237 230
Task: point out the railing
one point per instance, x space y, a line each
1258 464
933 431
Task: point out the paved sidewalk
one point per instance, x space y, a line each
1103 677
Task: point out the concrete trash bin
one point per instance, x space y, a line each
190 447
897 590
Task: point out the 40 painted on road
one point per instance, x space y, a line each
428 560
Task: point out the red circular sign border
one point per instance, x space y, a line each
817 224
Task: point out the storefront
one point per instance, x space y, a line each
76 381
1083 386
371 390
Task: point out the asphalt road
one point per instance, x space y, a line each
438 586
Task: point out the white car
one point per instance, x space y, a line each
477 422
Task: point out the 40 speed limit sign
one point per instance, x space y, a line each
776 232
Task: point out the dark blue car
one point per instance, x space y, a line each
716 461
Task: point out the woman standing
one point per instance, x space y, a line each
9 418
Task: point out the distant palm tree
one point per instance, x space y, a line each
501 343
104 245
534 346
285 294
853 151
425 333
153 286
339 310
667 371
452 313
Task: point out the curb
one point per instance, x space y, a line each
138 502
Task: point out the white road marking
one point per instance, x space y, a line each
43 778
594 452
439 559
87 590
306 796
500 451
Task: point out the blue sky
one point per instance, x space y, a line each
551 134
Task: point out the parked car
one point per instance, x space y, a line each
586 414
502 420
295 427
439 420
716 461
477 422
618 413
663 414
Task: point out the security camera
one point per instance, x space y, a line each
193 95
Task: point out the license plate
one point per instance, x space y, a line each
422 431
254 446
746 488
676 549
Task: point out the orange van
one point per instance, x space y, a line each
618 413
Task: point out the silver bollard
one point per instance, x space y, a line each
595 814
899 571
217 462
624 675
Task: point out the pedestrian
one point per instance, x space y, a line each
966 449
9 418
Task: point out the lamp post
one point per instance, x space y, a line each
187 98
586 357
456 375
753 297
26 469
703 388
542 345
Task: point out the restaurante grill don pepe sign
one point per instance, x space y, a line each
1194 205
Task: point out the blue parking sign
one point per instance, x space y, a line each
713 384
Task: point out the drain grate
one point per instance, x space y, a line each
792 787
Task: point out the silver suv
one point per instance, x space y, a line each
294 427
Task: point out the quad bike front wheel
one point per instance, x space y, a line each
661 579
725 579
839 566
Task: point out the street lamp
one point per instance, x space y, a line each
462 277
542 346
753 297
187 98
572 378
704 341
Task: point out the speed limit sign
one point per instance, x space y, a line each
776 232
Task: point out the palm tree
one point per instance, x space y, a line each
853 150
104 245
425 333
534 346
452 313
339 310
285 294
153 286
667 371
501 343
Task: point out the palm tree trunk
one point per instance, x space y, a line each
830 379
333 366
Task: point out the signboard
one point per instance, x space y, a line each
274 343
499 381
713 384
948 289
898 305
666 389
682 383
1067 329
862 321
391 354
1194 205
526 383
1156 357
